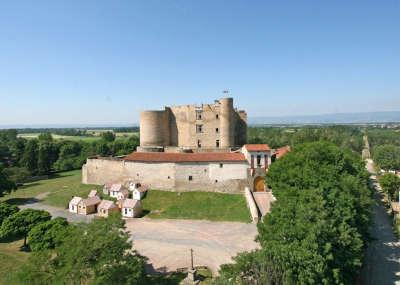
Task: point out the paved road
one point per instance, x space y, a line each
167 242
382 264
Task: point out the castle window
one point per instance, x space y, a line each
199 128
217 130
258 160
217 143
199 114
169 177
221 165
199 143
217 116
190 177
216 181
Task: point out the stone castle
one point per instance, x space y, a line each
207 126
189 148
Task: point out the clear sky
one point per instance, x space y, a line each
88 62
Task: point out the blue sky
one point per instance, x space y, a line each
94 62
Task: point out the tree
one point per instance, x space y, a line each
97 253
7 210
48 235
46 157
391 185
6 185
45 137
387 156
108 136
30 156
102 148
20 223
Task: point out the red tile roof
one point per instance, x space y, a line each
257 147
282 151
185 157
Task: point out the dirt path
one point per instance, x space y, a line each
382 260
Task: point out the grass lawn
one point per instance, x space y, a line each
60 188
196 205
11 258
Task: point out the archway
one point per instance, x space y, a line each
259 184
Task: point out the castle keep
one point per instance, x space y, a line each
188 148
206 126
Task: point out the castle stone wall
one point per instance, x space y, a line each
231 178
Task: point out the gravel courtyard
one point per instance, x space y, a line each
167 243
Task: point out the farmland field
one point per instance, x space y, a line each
96 136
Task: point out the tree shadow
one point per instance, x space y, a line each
21 201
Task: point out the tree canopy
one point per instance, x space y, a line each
20 223
96 253
317 228
391 185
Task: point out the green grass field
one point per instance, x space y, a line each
11 258
196 205
60 188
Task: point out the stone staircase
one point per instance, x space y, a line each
263 201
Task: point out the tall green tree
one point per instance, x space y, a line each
391 185
108 136
6 184
30 156
20 223
48 235
47 155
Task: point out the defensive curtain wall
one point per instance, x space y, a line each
232 177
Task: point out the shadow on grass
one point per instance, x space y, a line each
11 239
144 213
21 201
169 279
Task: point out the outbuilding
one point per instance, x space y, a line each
89 205
139 192
73 204
123 194
106 207
115 189
131 208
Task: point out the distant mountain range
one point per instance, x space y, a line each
337 118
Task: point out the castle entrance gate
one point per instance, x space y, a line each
259 185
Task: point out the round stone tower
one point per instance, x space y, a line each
227 123
153 128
